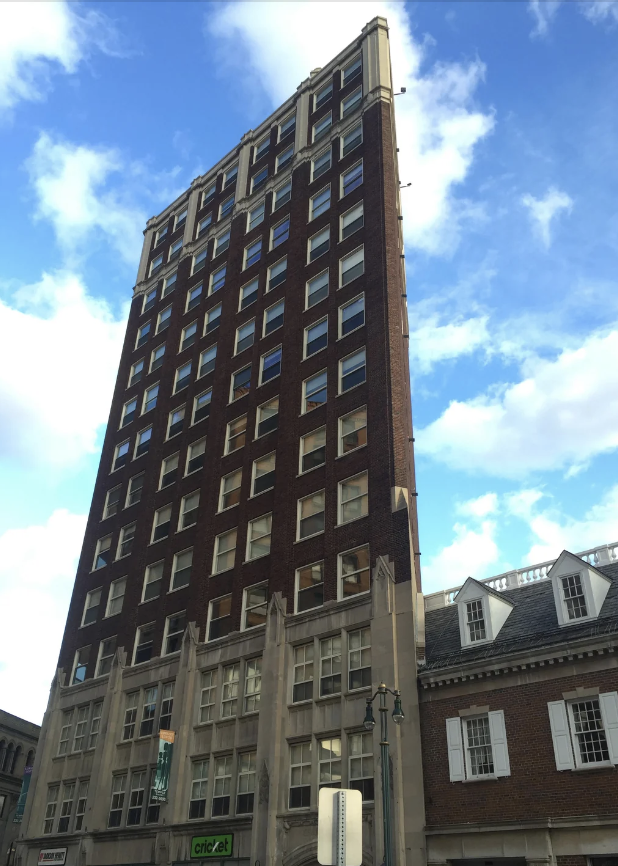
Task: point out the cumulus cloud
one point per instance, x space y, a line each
432 343
55 399
482 506
472 553
543 12
438 124
37 570
560 415
542 211
600 11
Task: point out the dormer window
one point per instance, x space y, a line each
482 613
579 589
476 621
574 598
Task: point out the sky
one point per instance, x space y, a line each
508 134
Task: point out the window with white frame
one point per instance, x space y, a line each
149 709
128 412
180 219
142 335
263 474
322 95
229 177
167 705
116 808
156 357
277 274
259 179
115 598
246 783
112 502
150 398
317 289
267 417
208 689
236 434
137 371
199 261
353 68
150 299
169 284
475 620
142 442
66 807
199 788
208 194
134 490
153 578
175 250
225 208
244 336
156 264
302 687
183 377
353 498
573 596
222 243
360 763
208 359
229 494
253 685
258 536
359 659
160 235
314 391
352 220
217 279
201 406
261 148
213 319
196 456
219 617
281 196
351 139
319 203
136 798
351 179
175 626
125 540
351 266
248 294
189 507
255 216
279 233
80 809
80 665
91 607
585 730
107 650
330 666
287 126
181 569
351 315
309 587
316 337
284 158
240 383
225 551
50 808
176 422
204 224
95 721
121 455
329 763
321 164
270 365
351 102
161 523
310 515
273 317
321 127
222 786
187 336
300 775
352 371
102 553
130 715
352 431
477 747
255 605
312 450
318 245
194 296
65 732
229 690
81 725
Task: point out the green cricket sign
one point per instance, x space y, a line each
203 847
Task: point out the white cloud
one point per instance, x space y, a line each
543 12
438 126
56 394
600 11
473 553
37 570
543 210
482 506
561 414
431 342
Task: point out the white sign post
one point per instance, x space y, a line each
340 827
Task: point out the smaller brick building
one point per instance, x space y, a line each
18 741
519 716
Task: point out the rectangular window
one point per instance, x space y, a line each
225 551
322 127
350 71
112 502
300 775
217 279
180 219
203 224
353 498
121 455
351 315
136 798
156 264
219 617
128 412
284 158
150 299
142 443
125 540
91 607
318 245
115 598
107 650
194 296
314 391
313 449
95 722
153 578
230 176
479 756
229 691
175 422
280 233
222 243
287 126
65 732
240 384
207 696
119 784
255 216
196 456
226 207
156 357
317 290
261 148
244 336
201 406
263 474
350 103
475 619
181 569
150 398
209 194
81 724
273 317
199 787
270 365
359 659
161 523
248 294
103 552
236 434
222 785
50 808
321 164
354 574
282 196
183 377
330 666
267 417
316 337
310 587
303 673
588 732
208 359
246 783
351 139
130 716
149 709
360 756
199 261
253 684
322 96
574 598
160 235
277 274
187 336
259 179
258 536
189 507
352 431
255 605
229 494
352 371
351 266
175 250
351 179
169 284
351 221
137 371
329 763
310 515
319 203
169 470
175 626
80 810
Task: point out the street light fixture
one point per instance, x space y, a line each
369 723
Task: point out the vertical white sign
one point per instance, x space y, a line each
340 827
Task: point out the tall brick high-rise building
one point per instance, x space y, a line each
249 571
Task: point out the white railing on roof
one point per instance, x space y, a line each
603 555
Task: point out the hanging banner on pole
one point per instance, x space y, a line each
164 763
21 803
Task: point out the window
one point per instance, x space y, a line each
255 604
183 377
313 449
258 537
142 443
156 358
209 194
134 490
125 541
316 337
318 245
353 499
352 221
322 127
142 335
248 294
203 224
351 102
240 384
329 763
180 219
152 581
107 650
65 732
199 261
261 148
187 336
311 515
287 126
280 233
321 164
160 235
267 417
213 318
116 596
168 284
150 398
270 365
80 665
50 809
217 279
136 798
282 195
220 617
91 607
360 757
350 71
199 786
201 406
221 790
130 715
352 371
230 176
253 684
277 274
351 266
169 471
246 783
319 203
351 139
303 673
310 587
259 179
119 784
253 253
263 474
475 620
222 243
81 724
236 434
351 179
317 290
82 797
285 158
352 431
588 730
156 264
359 659
208 360
229 494
161 523
314 391
112 501
229 691
149 709
137 371
574 597
181 569
477 746
351 315
176 422
196 456
128 412
121 455
150 299
330 666
244 336
175 250
207 696
194 296
189 507
226 207
322 96
225 551
300 775
273 317
103 552
175 626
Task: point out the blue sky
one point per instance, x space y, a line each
508 133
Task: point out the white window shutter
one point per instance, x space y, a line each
561 735
455 750
609 713
499 747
